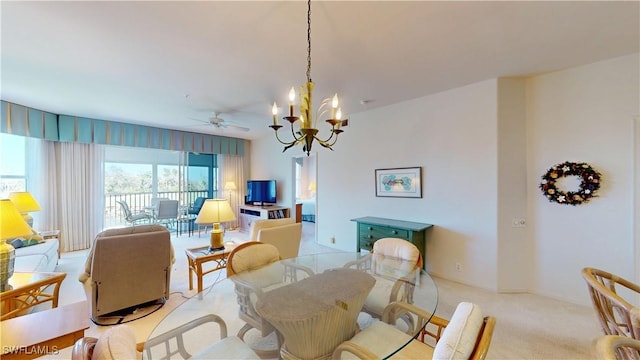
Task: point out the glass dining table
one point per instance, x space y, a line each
309 305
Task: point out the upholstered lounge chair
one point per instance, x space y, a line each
129 266
466 336
285 234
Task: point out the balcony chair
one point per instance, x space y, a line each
616 315
130 217
395 264
197 205
167 213
614 347
466 336
285 234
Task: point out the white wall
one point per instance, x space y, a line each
452 135
580 114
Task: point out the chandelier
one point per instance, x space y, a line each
307 131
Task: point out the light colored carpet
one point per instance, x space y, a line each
528 326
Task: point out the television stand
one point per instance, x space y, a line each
249 213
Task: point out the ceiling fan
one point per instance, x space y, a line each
219 122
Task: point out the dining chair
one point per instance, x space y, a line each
616 315
130 217
247 257
228 347
119 342
467 335
395 264
616 347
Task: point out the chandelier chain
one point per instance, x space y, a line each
308 40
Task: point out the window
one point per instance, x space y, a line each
12 164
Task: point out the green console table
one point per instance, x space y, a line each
372 228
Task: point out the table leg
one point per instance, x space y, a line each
191 270
199 274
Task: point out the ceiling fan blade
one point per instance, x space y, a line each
241 128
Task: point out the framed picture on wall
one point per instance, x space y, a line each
399 182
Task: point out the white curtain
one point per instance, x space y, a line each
232 169
79 193
42 182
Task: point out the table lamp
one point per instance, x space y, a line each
25 203
215 211
230 186
12 225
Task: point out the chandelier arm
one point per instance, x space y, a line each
296 140
327 141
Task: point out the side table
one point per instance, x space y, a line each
196 257
43 332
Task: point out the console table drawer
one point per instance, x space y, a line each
370 231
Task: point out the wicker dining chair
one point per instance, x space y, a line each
395 264
246 257
616 315
616 347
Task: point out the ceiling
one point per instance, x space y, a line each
171 63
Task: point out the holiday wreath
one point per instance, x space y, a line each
589 183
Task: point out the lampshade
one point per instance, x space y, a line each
24 202
215 211
230 185
12 224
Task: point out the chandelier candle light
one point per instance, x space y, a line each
307 132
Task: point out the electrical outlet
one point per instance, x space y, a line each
332 240
458 267
518 222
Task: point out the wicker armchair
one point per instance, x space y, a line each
466 336
616 315
255 269
395 264
614 347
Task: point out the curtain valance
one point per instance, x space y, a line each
21 120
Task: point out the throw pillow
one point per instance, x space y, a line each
459 337
119 342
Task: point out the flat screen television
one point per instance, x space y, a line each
261 191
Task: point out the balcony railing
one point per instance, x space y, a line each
137 202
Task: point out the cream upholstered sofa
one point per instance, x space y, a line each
42 257
128 267
285 234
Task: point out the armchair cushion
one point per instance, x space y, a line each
258 225
254 257
118 342
459 337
